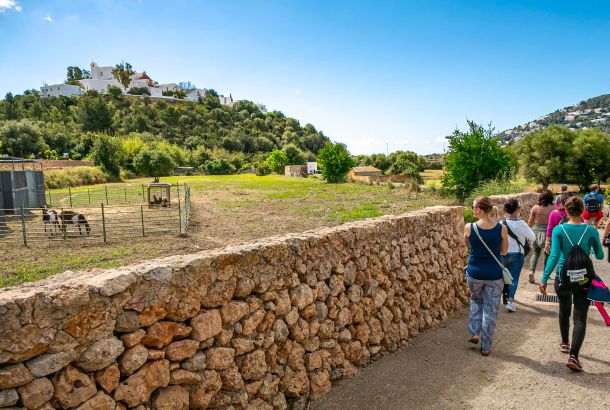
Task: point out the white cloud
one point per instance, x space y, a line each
440 139
8 5
297 92
48 18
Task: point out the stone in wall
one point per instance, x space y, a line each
264 325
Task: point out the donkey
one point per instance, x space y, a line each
50 217
74 218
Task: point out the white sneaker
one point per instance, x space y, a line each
510 306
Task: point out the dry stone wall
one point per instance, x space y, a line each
527 200
267 325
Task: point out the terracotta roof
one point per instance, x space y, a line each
144 77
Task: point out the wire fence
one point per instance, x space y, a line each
108 195
102 223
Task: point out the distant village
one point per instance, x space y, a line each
102 79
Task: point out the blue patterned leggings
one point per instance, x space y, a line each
484 301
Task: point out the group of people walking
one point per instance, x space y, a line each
497 253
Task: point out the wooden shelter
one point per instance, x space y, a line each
159 194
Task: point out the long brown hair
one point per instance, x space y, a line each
484 204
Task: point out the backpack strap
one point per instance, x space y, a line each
581 236
512 234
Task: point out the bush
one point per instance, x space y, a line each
72 177
263 169
218 167
107 152
138 91
496 187
474 157
277 161
335 162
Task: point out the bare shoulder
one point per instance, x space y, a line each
467 229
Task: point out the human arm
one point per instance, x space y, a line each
504 246
467 235
530 221
607 229
553 257
596 245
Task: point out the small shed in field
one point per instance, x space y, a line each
296 171
362 173
21 184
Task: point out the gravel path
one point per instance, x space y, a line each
439 369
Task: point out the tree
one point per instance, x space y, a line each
406 163
335 162
114 91
22 138
154 163
543 154
122 73
277 160
218 167
474 157
10 109
294 154
588 162
92 113
186 86
107 153
75 73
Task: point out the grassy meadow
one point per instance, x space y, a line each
226 210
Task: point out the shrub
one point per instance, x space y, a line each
277 161
138 91
107 152
72 177
218 167
496 187
335 162
263 169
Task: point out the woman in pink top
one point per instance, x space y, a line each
558 216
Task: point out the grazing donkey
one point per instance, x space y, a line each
74 218
50 217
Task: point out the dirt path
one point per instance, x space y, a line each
439 369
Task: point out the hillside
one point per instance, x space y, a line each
592 113
49 126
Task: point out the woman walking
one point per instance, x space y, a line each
539 222
487 241
518 234
565 236
557 217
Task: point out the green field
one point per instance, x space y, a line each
226 210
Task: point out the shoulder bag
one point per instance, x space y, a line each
508 278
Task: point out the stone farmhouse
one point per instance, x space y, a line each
102 79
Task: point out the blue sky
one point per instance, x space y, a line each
405 73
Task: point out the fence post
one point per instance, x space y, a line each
180 217
50 199
178 190
63 225
25 235
142 192
103 223
142 217
106 190
89 195
125 192
70 194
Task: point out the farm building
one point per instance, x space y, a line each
295 171
21 184
375 176
365 172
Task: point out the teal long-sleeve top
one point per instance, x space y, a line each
560 245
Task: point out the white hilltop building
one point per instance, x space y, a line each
102 79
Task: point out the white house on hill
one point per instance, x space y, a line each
102 79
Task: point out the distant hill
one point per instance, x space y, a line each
592 113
